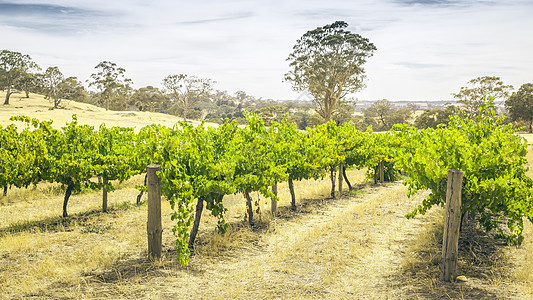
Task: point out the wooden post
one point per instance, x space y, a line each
452 222
104 194
274 203
381 172
153 225
340 179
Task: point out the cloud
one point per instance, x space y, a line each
50 18
441 3
217 20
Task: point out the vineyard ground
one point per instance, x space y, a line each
357 247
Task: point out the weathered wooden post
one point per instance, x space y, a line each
452 223
340 179
153 225
104 194
381 172
274 203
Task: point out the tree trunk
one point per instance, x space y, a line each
381 172
185 109
274 203
530 125
196 224
68 192
250 208
5 191
142 192
332 173
104 194
346 179
463 215
293 197
8 93
340 180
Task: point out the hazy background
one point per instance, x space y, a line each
426 49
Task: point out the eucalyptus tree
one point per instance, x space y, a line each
327 62
481 91
109 81
520 105
14 67
51 81
149 98
185 90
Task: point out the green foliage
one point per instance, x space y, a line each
150 99
492 158
382 115
481 91
185 91
196 165
327 62
115 159
14 69
520 105
432 118
111 85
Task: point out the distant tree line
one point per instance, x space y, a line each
192 97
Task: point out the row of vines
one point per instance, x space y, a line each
200 165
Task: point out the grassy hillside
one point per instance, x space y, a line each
38 107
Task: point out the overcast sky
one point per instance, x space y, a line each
426 49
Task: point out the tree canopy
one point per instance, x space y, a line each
185 90
471 96
328 63
109 82
520 105
14 67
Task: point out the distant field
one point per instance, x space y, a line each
38 107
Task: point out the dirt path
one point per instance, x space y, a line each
351 248
356 247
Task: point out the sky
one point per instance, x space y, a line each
426 49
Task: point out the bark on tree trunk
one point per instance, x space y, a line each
346 179
250 209
196 224
293 196
185 109
332 173
8 93
68 192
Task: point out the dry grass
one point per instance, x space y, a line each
38 107
523 260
